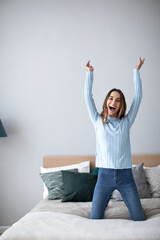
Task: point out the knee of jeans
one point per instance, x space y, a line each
94 218
141 217
97 214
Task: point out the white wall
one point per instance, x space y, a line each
44 46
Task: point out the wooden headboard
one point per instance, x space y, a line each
149 160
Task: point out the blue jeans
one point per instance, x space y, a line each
123 181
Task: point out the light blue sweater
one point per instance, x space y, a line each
113 139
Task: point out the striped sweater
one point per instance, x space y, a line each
113 148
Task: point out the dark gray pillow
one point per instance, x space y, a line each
78 187
54 184
140 180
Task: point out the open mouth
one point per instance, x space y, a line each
112 108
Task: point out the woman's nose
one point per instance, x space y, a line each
114 102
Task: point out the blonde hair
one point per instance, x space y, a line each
122 110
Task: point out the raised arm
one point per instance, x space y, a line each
93 114
137 93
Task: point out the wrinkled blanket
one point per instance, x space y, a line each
54 220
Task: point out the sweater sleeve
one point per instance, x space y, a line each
93 114
137 97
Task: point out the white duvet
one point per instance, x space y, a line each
53 220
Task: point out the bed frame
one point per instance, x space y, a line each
149 160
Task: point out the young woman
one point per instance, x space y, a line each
113 152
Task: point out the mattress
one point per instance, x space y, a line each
54 220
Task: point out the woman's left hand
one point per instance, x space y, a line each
140 63
88 67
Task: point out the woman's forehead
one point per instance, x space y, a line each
115 94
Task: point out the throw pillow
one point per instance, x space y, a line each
54 184
82 167
140 180
95 171
78 187
153 178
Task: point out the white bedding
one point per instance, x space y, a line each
53 220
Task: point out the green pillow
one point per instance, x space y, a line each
78 187
54 184
95 171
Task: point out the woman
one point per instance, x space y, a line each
113 151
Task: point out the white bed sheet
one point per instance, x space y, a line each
53 220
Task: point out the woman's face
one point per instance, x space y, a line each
113 104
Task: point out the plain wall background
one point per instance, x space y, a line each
44 46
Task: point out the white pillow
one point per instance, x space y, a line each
82 167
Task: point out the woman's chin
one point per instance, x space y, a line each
111 114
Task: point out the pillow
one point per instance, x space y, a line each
95 171
54 184
153 178
140 180
82 167
116 195
78 187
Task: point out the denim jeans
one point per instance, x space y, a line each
123 181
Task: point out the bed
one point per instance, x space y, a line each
54 219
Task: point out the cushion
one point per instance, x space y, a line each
141 182
82 167
54 184
78 187
153 178
95 170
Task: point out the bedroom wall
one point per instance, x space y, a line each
44 46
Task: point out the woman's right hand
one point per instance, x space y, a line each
88 67
139 64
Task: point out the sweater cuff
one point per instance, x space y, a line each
135 70
89 72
